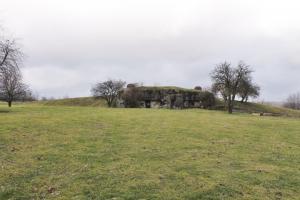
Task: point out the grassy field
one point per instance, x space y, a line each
59 152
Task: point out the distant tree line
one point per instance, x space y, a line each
293 101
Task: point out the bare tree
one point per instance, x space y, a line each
11 86
293 101
29 95
227 80
10 54
108 90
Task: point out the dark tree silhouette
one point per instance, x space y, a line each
227 81
108 90
11 86
248 89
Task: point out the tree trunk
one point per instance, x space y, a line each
9 103
231 99
230 106
243 100
230 109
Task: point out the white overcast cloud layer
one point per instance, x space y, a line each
71 44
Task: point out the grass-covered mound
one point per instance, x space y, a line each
57 152
239 107
168 88
80 101
257 107
260 108
96 102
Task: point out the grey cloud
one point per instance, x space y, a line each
72 44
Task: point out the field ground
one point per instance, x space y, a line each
60 152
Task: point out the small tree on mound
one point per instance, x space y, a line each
227 81
108 90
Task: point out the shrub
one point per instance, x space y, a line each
131 97
208 99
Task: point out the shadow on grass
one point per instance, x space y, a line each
4 111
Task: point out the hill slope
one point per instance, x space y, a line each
80 101
245 107
262 108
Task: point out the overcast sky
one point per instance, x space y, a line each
71 44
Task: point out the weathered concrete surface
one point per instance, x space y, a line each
167 97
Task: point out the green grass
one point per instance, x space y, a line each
80 101
261 108
59 152
240 107
162 88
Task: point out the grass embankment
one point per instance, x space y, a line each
56 152
239 107
260 108
167 88
80 101
256 107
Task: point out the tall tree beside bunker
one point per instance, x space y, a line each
227 81
11 85
108 90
